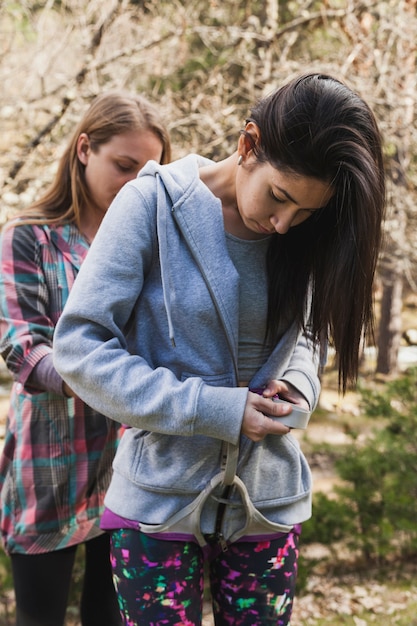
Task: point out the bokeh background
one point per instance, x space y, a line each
204 62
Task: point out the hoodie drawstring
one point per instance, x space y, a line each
161 226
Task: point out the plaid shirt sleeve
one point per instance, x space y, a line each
33 281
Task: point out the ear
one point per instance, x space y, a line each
246 143
83 148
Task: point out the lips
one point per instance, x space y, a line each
264 231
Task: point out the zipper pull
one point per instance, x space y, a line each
222 541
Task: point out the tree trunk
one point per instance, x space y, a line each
392 277
389 335
392 273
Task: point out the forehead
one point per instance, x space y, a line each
135 144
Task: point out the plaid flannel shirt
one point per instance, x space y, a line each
55 466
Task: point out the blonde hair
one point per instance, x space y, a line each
110 114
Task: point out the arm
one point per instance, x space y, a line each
295 363
26 327
301 379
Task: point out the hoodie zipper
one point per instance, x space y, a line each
222 505
219 520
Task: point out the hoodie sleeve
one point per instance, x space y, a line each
302 370
90 345
295 360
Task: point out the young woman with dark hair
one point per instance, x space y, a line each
231 273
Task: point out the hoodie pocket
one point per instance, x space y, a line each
163 463
277 472
169 463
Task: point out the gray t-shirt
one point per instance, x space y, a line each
249 259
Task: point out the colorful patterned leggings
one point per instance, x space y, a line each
160 582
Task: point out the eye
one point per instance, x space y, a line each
277 199
125 168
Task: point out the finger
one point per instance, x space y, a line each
274 408
275 427
272 388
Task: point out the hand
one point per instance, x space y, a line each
256 424
286 391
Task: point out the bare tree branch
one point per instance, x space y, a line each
65 102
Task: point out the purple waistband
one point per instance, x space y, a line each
112 521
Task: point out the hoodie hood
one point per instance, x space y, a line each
180 178
198 215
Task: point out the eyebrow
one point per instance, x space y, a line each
291 199
126 156
287 195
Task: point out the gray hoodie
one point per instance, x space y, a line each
149 337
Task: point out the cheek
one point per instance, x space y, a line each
248 200
111 180
94 176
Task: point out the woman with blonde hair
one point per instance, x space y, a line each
56 463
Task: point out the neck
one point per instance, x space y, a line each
90 223
220 178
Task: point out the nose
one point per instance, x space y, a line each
282 221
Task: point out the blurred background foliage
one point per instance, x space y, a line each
204 63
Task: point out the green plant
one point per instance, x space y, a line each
6 586
376 507
6 582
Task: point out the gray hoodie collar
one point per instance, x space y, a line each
197 212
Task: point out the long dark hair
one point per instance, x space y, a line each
316 126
